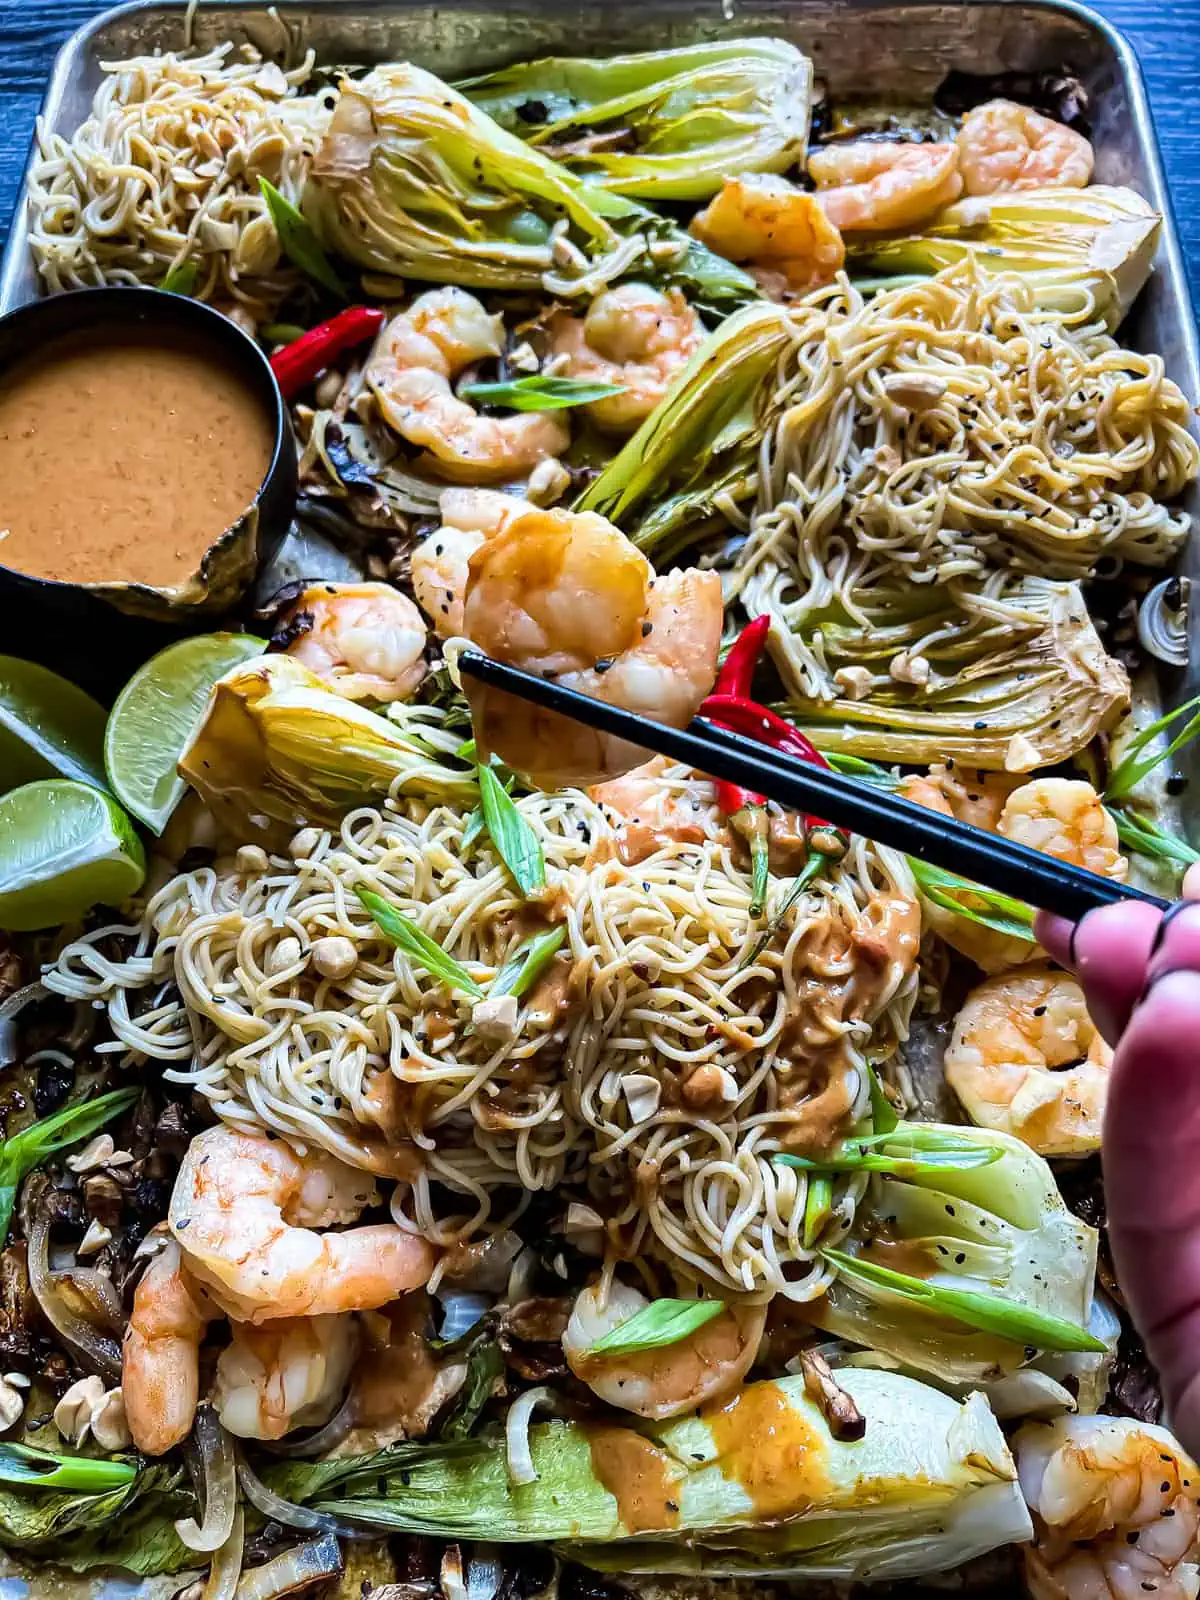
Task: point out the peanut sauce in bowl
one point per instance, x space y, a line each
124 458
146 463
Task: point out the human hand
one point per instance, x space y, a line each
1140 971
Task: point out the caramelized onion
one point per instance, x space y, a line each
325 1438
9 1012
95 1350
294 1569
226 1566
286 1512
217 1487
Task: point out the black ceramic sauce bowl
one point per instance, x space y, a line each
100 630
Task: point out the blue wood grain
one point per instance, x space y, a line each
1165 34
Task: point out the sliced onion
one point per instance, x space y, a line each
286 1512
1162 621
95 1350
97 1291
294 1569
226 1566
482 1266
461 1310
521 1277
485 1574
451 1577
326 1438
9 1012
516 1434
217 1487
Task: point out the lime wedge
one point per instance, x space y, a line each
48 727
156 714
64 847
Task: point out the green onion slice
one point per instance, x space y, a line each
989 1313
540 394
661 1323
527 963
405 935
299 242
518 845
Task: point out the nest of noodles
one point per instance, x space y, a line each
653 1071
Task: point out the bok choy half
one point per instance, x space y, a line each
662 124
277 745
413 181
1085 252
1001 1231
756 1484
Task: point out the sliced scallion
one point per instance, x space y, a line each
405 935
298 241
539 393
661 1323
989 1313
516 843
527 963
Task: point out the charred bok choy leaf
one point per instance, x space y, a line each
276 743
662 124
86 1514
762 1481
413 181
999 1231
1085 252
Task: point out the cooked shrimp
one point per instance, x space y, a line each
1026 1059
1003 145
409 372
634 336
366 639
865 185
566 595
1065 818
245 1210
292 1373
708 1365
968 793
439 563
1114 1510
653 814
781 232
976 797
160 1358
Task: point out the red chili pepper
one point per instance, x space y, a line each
744 807
739 714
298 363
735 679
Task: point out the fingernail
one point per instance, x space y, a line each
1157 977
1168 916
1074 936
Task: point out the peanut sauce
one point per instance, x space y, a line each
770 1449
640 1476
124 459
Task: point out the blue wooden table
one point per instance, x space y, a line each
1165 34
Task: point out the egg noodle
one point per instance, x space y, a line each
164 174
947 438
660 991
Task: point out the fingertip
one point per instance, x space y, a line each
1110 950
1055 934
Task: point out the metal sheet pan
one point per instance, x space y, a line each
885 49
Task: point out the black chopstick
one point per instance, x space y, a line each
986 858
